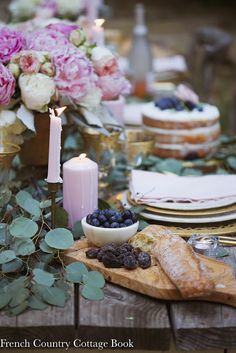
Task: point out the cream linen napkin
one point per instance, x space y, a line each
150 187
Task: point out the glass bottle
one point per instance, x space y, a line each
140 56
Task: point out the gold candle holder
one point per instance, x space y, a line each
53 189
7 154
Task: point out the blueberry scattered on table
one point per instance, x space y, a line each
111 219
117 256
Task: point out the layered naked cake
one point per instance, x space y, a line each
183 128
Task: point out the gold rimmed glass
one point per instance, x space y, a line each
7 154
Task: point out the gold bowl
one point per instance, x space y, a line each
7 153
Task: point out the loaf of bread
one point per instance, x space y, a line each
147 237
182 265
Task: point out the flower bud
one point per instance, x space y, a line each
77 37
14 69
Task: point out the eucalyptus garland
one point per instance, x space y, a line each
33 274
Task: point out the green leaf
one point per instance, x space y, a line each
5 196
19 296
4 299
3 231
45 248
92 293
75 272
94 279
48 203
23 227
61 217
77 230
103 205
54 296
59 238
18 309
7 256
142 224
18 283
36 303
25 248
12 266
43 277
231 160
169 165
191 172
26 201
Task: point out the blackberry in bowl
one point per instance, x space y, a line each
108 226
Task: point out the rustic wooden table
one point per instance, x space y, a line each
151 324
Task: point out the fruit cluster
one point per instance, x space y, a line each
174 102
111 219
116 256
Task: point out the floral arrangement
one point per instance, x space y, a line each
54 66
22 10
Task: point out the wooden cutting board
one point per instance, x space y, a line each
154 282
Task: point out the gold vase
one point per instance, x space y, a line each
7 154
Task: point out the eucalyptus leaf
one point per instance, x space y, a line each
92 293
44 247
54 296
142 224
231 160
94 278
5 196
7 256
25 248
103 205
61 217
3 231
18 283
169 165
12 266
59 238
43 277
77 230
36 303
191 172
19 296
4 299
25 201
23 227
18 309
75 272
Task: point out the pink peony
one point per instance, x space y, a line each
30 63
74 76
45 40
62 28
113 86
11 42
7 85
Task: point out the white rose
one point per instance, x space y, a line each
69 7
101 56
23 8
7 118
93 98
36 91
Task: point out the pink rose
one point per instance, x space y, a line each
105 63
11 42
74 76
46 40
113 86
62 28
7 85
30 63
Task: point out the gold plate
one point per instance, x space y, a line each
164 211
186 232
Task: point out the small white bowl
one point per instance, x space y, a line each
101 236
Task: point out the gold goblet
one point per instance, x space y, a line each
7 153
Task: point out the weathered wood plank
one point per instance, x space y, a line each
51 324
204 325
125 315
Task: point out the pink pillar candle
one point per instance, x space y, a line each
54 154
116 107
98 35
92 9
80 187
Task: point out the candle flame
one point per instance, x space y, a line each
82 156
99 22
60 110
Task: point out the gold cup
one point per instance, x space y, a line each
139 144
7 154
